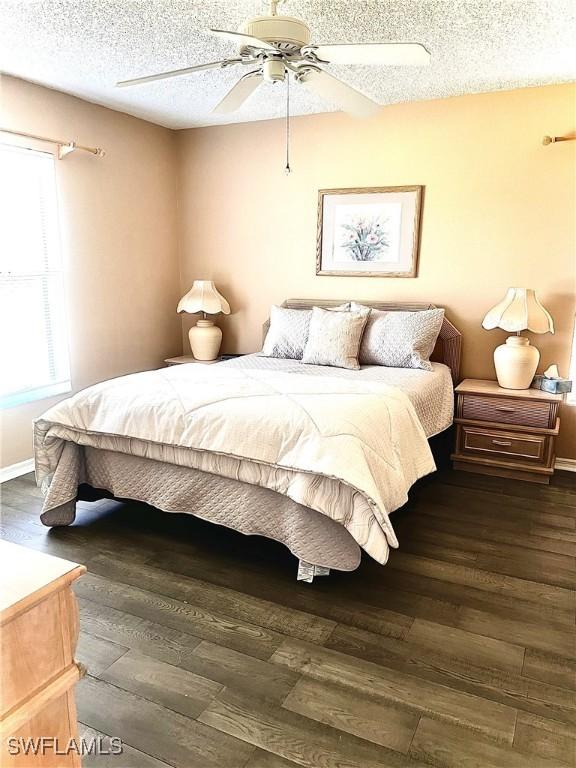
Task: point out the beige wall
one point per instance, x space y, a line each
499 210
120 241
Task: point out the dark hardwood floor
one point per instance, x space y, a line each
203 650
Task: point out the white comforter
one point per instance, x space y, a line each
348 449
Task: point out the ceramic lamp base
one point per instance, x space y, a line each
516 363
205 339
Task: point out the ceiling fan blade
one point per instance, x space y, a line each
330 88
238 94
242 39
383 54
177 72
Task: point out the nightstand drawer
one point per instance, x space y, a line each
505 432
504 410
513 445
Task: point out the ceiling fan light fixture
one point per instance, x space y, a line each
274 70
277 45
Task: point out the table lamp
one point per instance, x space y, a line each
205 337
516 361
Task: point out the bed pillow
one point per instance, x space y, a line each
400 339
288 331
334 338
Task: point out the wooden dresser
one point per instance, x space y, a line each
506 432
38 636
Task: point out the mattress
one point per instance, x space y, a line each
270 423
430 392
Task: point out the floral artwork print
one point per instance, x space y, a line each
365 238
372 232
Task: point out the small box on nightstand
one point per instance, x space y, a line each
506 432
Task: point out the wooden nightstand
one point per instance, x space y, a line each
505 432
183 359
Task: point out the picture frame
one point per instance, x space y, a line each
369 231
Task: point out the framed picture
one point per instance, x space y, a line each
372 232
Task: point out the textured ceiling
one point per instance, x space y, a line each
84 46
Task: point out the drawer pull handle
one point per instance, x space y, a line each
502 442
505 408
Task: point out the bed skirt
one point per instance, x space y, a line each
250 509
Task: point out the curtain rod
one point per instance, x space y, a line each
64 147
554 139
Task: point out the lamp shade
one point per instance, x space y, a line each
203 297
519 310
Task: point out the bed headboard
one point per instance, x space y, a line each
448 347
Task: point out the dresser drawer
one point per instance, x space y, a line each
40 645
497 444
528 413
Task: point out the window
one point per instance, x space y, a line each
34 360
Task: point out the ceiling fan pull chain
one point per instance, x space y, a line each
287 169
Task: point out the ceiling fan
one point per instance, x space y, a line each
273 46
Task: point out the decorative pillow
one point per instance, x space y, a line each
334 338
400 339
287 334
288 331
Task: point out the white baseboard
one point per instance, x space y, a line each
16 470
568 465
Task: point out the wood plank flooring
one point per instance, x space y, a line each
203 650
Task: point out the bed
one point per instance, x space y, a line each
312 456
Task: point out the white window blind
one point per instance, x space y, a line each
34 361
